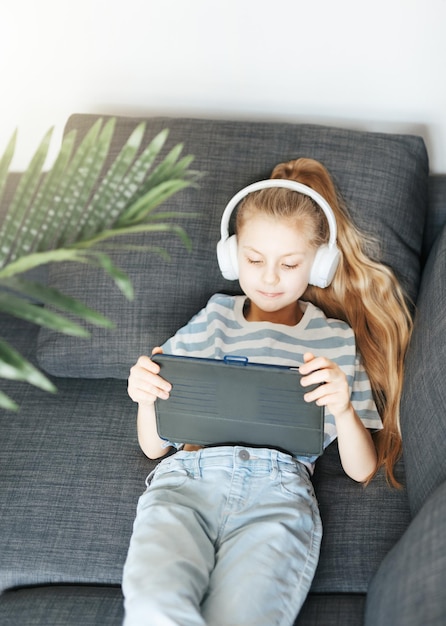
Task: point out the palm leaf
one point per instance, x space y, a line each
44 206
68 192
136 230
24 193
133 184
75 213
162 171
53 297
26 310
5 162
83 185
90 257
7 403
120 278
138 211
14 366
115 191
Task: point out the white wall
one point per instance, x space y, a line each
377 65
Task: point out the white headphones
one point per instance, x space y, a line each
327 256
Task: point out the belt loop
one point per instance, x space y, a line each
197 463
274 463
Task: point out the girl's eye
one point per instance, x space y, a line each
290 267
254 261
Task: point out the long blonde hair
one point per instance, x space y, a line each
364 293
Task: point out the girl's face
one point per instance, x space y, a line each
275 261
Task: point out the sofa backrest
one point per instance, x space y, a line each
383 177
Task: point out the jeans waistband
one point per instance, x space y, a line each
238 456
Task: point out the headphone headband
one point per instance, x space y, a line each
327 255
285 184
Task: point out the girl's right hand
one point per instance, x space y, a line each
145 384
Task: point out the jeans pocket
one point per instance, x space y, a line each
169 474
293 483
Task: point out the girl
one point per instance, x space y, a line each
231 535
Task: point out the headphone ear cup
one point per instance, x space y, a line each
324 266
227 257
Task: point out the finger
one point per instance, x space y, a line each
313 363
156 382
145 363
318 377
308 356
145 383
147 389
318 394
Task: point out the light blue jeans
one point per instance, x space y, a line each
222 536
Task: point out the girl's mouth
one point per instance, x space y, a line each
271 295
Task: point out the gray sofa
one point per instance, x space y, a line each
70 467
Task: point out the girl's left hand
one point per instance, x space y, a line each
333 391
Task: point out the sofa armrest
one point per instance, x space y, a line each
436 214
423 405
408 588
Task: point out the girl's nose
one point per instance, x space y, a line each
270 276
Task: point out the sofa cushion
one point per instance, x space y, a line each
383 178
69 605
72 471
423 405
361 524
62 605
332 610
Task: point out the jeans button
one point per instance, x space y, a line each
244 455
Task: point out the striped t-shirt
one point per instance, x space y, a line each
220 329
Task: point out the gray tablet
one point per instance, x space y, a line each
233 401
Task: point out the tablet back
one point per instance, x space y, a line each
233 401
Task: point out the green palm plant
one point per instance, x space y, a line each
70 213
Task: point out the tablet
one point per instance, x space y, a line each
234 401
